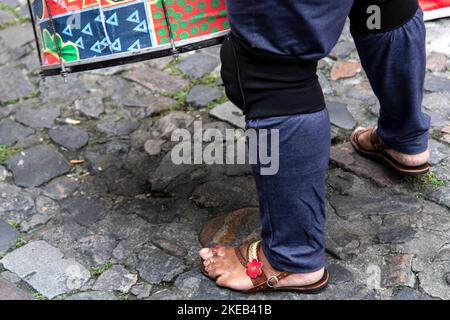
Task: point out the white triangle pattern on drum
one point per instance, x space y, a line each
96 47
68 31
79 43
135 46
116 45
113 20
134 17
87 30
141 27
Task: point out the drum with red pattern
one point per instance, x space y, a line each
77 35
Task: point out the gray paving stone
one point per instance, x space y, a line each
153 146
437 84
156 266
42 117
9 276
11 132
92 295
201 95
199 64
342 50
4 174
438 152
172 121
6 17
37 165
113 126
117 278
46 269
340 116
15 204
8 236
156 80
228 112
91 107
16 36
13 84
69 137
193 285
141 290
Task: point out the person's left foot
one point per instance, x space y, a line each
223 264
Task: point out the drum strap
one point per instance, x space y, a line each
102 18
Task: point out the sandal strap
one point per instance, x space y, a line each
268 278
377 143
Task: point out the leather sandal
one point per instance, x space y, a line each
379 153
266 278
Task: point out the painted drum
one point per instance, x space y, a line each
78 35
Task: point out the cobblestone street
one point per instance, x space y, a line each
92 207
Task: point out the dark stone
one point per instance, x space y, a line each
156 266
340 116
103 156
153 210
437 84
60 188
13 84
199 64
339 274
11 132
8 236
396 235
9 291
346 157
69 137
410 294
42 117
228 194
169 176
37 165
85 210
201 95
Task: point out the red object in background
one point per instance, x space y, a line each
435 9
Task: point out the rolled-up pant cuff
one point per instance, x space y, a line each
307 265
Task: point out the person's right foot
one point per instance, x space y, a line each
405 159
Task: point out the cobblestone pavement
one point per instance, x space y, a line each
91 207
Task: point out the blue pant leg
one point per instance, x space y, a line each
395 64
292 202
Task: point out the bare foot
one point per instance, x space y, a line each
230 273
405 159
